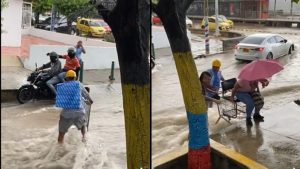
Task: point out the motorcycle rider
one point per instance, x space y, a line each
72 63
55 69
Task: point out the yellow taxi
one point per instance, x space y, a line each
223 26
224 19
90 28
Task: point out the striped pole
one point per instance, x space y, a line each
206 27
206 36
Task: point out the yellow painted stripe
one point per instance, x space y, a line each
190 84
136 103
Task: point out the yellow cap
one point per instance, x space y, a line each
216 63
70 73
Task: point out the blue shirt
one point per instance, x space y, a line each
78 53
215 78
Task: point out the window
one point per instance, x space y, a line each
272 40
253 40
82 22
279 39
211 20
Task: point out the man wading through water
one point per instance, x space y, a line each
71 96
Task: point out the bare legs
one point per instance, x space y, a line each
61 135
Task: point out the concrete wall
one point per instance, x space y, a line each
11 24
65 38
232 40
95 58
160 39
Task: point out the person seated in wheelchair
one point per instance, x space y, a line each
207 90
248 93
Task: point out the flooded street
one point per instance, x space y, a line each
169 121
29 135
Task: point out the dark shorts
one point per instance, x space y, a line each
66 123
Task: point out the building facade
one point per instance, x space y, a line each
232 8
12 24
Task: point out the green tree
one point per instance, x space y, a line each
40 7
68 8
4 4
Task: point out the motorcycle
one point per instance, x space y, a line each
36 89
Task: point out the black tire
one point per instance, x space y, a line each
270 56
77 32
25 94
290 50
90 34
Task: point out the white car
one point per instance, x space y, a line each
189 23
263 46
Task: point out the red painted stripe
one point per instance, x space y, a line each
199 159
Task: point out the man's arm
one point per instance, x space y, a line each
45 66
85 94
83 50
62 56
234 90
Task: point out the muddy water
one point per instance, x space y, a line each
169 125
29 135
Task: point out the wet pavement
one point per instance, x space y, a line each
274 143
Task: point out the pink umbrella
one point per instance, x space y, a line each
260 69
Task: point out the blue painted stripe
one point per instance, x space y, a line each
198 130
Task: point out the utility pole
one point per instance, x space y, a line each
275 9
53 17
206 27
292 8
217 16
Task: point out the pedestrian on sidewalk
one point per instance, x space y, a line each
79 49
72 63
248 93
71 96
55 69
216 75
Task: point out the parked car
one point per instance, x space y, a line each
263 46
62 27
89 27
44 23
223 26
156 20
189 23
104 25
224 19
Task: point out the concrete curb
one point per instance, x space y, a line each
212 54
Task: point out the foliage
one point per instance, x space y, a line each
4 4
41 6
69 7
